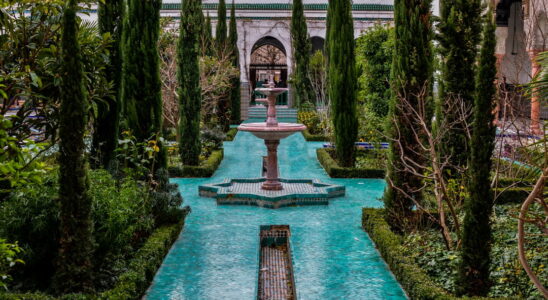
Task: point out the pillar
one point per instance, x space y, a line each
535 99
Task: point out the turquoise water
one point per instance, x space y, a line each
216 255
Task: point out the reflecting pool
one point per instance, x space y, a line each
216 256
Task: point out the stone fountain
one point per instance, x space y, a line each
272 191
272 132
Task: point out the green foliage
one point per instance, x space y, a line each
188 77
301 48
414 280
342 79
74 265
374 55
106 123
476 236
371 125
31 64
309 137
231 134
141 84
137 274
221 30
329 163
318 78
8 259
124 214
205 169
426 248
135 158
411 79
235 94
459 36
133 283
207 45
19 164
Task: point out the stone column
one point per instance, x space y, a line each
272 182
535 99
501 34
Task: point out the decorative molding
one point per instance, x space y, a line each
282 6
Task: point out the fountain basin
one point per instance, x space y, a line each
277 132
271 91
249 192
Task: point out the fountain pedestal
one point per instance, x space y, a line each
272 182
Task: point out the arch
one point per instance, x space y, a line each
268 56
318 43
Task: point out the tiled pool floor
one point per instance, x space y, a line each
216 255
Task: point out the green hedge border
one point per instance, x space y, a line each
133 283
412 278
334 170
309 137
206 169
231 134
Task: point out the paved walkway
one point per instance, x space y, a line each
216 256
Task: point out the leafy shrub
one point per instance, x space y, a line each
212 139
123 219
166 199
311 120
8 259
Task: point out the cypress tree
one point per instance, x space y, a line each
235 94
223 106
411 74
74 265
188 76
105 134
220 31
207 37
301 55
141 85
342 80
478 207
460 29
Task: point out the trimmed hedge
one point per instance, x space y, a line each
334 170
309 137
206 169
412 278
141 269
514 195
231 134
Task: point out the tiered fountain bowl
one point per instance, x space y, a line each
272 191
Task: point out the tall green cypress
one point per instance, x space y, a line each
220 30
478 207
105 134
207 37
301 55
459 37
188 76
342 80
74 264
411 76
235 93
141 84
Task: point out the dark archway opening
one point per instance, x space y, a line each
268 57
318 43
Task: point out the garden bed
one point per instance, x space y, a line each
205 169
309 137
140 270
426 270
331 166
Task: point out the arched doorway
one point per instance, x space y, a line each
318 43
268 57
